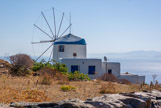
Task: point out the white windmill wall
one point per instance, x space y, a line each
80 50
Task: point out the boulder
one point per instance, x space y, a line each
74 103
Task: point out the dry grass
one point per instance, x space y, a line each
12 95
28 89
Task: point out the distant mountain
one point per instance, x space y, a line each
144 53
140 54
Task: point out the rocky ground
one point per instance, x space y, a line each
4 67
123 100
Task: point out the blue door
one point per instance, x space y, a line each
91 70
74 68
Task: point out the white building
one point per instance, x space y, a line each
133 78
91 67
71 50
111 67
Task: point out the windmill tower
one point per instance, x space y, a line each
64 46
69 46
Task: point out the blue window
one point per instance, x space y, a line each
91 70
61 48
109 71
74 68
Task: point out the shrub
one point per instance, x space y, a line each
124 81
21 64
108 88
38 65
151 85
67 88
46 80
51 64
108 77
61 67
53 73
77 76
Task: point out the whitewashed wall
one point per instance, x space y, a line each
69 50
84 63
114 66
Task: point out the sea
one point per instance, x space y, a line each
141 65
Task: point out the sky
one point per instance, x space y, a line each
106 25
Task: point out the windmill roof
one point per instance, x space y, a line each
70 39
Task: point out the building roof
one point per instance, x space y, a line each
111 62
70 39
126 73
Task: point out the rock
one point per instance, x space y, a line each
74 103
97 104
1 66
3 106
134 102
24 104
62 104
117 101
107 101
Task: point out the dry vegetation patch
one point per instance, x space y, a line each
27 89
13 95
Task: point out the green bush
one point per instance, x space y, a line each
51 64
38 65
67 88
61 67
77 76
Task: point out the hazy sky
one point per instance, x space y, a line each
107 25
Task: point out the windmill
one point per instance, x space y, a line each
50 34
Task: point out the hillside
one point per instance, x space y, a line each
51 84
28 89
